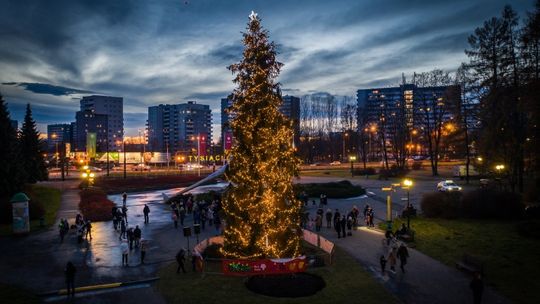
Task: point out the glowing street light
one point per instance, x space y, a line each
408 184
352 158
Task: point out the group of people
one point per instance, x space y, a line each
393 254
203 213
83 228
130 237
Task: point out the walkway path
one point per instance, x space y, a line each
426 280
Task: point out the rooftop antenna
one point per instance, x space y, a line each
403 79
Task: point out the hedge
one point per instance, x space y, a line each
478 204
342 189
95 205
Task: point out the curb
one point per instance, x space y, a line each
97 287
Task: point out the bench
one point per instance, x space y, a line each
470 264
407 237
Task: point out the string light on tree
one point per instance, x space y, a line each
262 212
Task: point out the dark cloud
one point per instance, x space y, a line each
44 88
165 51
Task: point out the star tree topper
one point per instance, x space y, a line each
252 16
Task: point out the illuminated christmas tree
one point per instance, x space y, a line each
262 212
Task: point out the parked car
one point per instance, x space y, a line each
193 166
447 186
141 167
335 163
314 164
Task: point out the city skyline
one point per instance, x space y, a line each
175 51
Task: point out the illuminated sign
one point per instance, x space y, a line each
205 158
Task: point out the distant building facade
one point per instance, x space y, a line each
113 108
406 105
86 122
58 134
185 128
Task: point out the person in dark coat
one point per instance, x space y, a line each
343 224
146 210
137 234
477 286
180 259
70 278
337 217
329 218
402 254
122 229
337 227
130 238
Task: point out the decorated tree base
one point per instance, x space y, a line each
287 285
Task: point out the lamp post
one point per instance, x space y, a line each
88 176
352 158
124 151
499 169
408 184
54 137
345 135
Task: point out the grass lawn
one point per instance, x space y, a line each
511 261
346 282
14 295
50 197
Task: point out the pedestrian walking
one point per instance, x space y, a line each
343 224
402 254
124 213
61 230
182 215
124 248
204 215
337 217
115 219
80 230
130 238
349 224
146 211
392 260
88 229
124 199
137 234
337 227
175 220
382 261
122 229
144 246
477 286
318 222
69 272
328 218
180 259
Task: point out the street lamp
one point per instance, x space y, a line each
54 137
345 135
352 158
408 184
88 176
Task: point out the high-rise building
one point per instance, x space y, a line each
90 122
58 134
185 128
385 111
404 104
114 109
290 108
